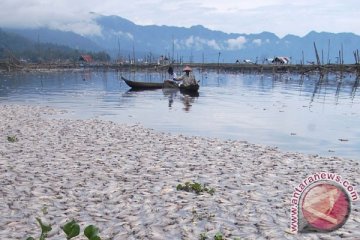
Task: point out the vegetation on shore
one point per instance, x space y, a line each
12 139
16 47
71 229
17 52
195 187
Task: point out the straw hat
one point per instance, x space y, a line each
187 68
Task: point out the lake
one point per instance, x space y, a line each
298 113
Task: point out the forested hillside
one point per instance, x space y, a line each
13 45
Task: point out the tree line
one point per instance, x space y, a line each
15 46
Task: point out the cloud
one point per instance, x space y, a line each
123 34
189 42
257 41
278 16
61 15
197 43
81 27
236 43
213 44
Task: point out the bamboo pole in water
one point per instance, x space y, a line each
303 58
355 56
328 54
317 55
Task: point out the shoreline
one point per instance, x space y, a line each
221 67
123 178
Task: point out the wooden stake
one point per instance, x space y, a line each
328 55
303 58
317 55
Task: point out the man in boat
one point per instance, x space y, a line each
188 79
171 72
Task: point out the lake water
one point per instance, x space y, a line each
293 112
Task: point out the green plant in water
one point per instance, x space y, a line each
91 232
201 215
203 236
194 187
71 229
44 210
12 139
218 236
45 229
210 191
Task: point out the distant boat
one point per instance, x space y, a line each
166 84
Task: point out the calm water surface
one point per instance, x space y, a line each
296 113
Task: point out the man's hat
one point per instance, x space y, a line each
187 68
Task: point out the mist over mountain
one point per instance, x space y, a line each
122 38
45 35
14 46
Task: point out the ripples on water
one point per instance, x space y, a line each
296 113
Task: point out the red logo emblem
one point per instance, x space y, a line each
325 207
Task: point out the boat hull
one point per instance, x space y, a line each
191 88
142 85
166 84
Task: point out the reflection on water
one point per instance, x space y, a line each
306 113
187 98
172 94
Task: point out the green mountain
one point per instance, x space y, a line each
14 45
120 37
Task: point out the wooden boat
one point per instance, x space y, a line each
165 84
142 85
191 88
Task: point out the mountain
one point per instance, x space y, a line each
123 38
198 43
10 41
17 46
14 45
45 35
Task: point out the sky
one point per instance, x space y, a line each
281 17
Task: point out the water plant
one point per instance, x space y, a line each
71 230
45 229
44 210
218 236
203 236
12 139
201 215
194 187
91 232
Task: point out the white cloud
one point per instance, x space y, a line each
124 34
62 15
197 43
82 28
257 41
213 44
236 43
278 16
189 42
